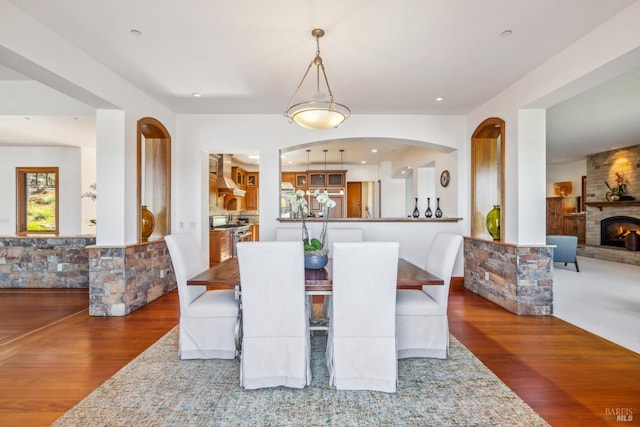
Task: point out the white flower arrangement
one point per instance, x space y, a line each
317 246
92 193
300 207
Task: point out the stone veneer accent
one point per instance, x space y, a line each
602 167
44 262
520 277
123 279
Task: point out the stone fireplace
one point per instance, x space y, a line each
614 229
607 222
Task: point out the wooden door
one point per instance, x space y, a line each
354 200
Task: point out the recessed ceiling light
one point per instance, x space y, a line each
374 150
402 172
254 157
364 162
136 33
440 98
196 95
506 33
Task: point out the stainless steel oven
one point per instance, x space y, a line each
241 233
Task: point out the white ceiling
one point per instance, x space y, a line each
381 58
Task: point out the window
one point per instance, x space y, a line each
37 191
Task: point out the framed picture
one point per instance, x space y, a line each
445 177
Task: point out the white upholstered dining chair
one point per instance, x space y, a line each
422 325
361 344
207 318
275 323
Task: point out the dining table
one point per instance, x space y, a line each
226 275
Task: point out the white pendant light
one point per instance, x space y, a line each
317 114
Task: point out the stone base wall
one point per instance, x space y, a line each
610 253
517 278
44 262
123 279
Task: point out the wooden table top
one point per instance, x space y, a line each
226 275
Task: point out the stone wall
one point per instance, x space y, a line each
601 168
44 262
517 278
123 279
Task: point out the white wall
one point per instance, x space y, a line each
568 171
67 159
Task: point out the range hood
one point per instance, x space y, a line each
225 182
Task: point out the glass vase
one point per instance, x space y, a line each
428 212
493 222
438 210
416 212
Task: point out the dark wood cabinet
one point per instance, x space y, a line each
575 225
563 219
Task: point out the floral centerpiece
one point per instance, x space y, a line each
314 249
618 190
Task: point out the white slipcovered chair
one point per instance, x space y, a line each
288 234
342 235
275 327
207 318
361 344
422 325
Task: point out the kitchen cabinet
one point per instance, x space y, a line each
255 232
297 179
251 197
219 246
338 211
239 176
332 178
213 185
289 177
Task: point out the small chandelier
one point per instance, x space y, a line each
317 114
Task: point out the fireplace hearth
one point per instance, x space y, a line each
614 229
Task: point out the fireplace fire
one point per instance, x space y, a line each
614 230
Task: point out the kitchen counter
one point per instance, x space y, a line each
355 220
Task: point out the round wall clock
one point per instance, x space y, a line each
444 178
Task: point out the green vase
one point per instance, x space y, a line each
493 222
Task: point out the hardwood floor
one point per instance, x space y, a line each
570 377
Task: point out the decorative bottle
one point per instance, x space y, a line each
416 212
428 212
493 222
438 210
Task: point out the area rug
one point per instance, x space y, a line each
159 389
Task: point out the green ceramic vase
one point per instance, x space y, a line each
493 222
